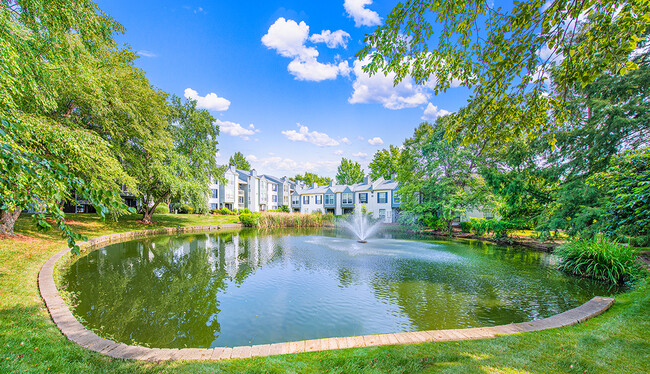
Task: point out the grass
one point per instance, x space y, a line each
280 219
615 342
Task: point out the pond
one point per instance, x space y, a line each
257 287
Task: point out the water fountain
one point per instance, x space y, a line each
360 225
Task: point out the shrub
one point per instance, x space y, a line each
214 211
600 259
466 226
244 211
226 211
184 209
249 219
162 208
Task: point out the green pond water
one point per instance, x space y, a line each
250 287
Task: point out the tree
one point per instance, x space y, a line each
349 172
438 178
181 166
311 178
239 161
627 186
39 42
504 56
384 163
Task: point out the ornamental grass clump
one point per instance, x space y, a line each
600 259
277 219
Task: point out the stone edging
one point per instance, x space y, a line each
75 331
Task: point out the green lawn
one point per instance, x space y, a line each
616 342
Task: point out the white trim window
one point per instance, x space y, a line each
329 199
363 198
347 198
305 199
382 197
319 199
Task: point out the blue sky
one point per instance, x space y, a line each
280 77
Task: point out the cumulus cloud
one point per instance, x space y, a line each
360 155
375 141
314 137
235 129
380 89
361 15
338 152
431 112
210 101
288 38
345 141
282 165
331 39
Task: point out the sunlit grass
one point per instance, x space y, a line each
616 342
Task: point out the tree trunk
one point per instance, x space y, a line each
147 212
8 221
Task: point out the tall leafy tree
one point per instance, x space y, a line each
239 161
349 172
384 163
181 166
39 42
311 178
503 55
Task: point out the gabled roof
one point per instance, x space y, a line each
273 179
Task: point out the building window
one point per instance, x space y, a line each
396 198
275 198
295 200
347 198
329 199
305 199
382 214
382 197
215 194
319 199
274 187
213 206
363 198
241 199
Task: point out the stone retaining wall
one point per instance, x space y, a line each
72 329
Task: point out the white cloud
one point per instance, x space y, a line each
210 101
291 166
360 138
375 141
338 152
380 89
288 38
362 16
235 129
314 137
360 155
145 53
345 141
431 112
331 39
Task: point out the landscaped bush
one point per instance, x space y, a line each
498 228
281 209
249 219
224 212
162 208
466 227
244 211
184 209
214 211
600 259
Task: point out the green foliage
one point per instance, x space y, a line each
277 219
497 54
244 211
310 178
184 208
385 163
498 228
349 172
627 186
239 161
226 211
466 226
281 209
600 259
249 219
162 208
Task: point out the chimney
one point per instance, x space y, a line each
331 183
366 179
314 185
254 173
393 176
